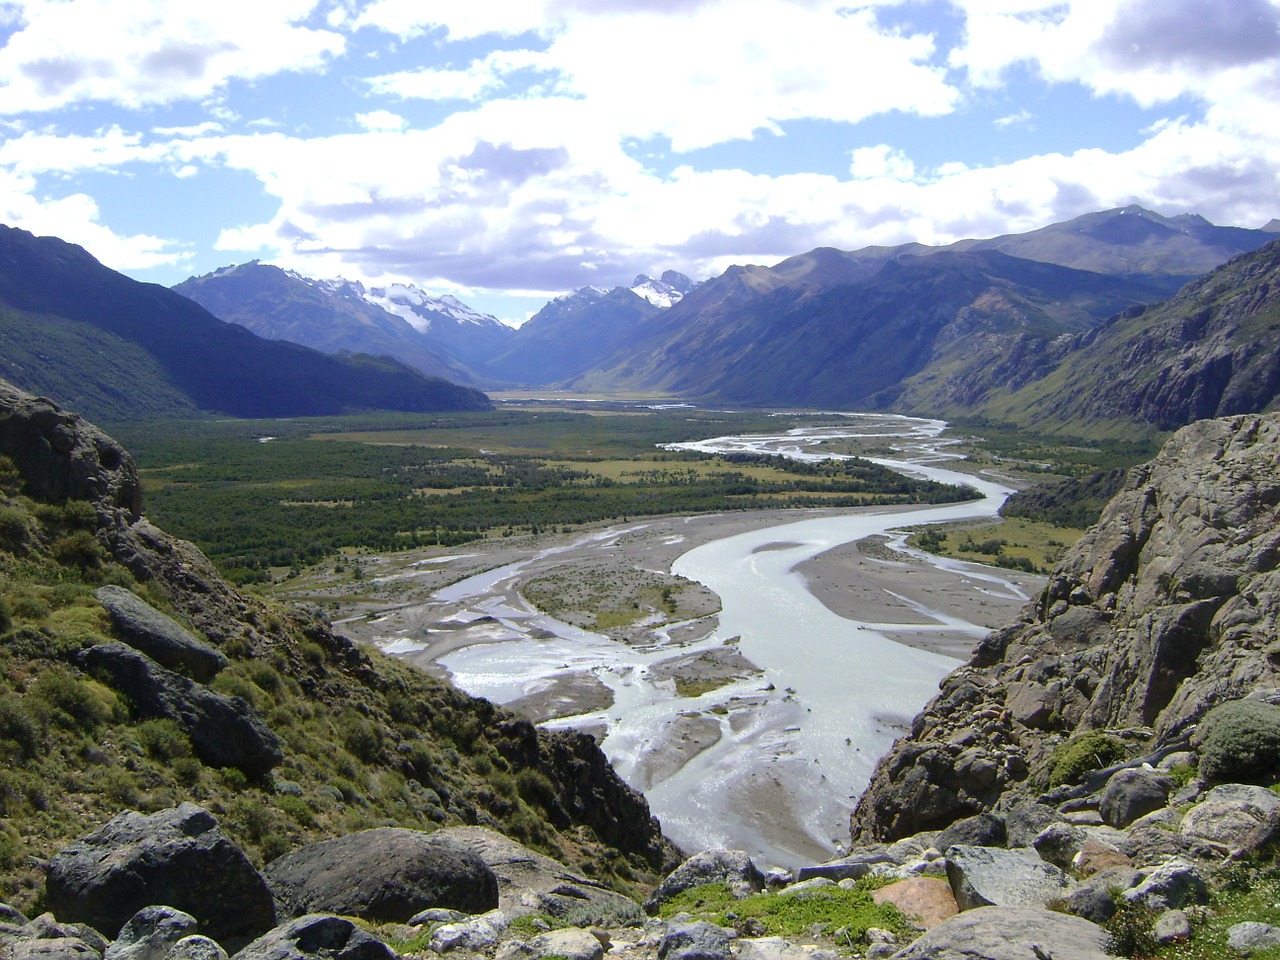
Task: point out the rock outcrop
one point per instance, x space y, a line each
1169 606
384 874
177 857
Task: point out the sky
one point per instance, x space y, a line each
508 151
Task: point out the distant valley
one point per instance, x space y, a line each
1016 328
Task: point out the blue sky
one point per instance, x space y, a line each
506 151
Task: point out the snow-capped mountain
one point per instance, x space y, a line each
423 310
666 292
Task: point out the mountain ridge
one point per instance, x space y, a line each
211 365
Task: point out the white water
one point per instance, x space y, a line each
835 694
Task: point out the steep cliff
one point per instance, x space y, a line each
1167 607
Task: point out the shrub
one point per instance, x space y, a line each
361 736
19 730
162 739
1091 751
1239 742
72 702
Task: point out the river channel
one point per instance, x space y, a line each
773 761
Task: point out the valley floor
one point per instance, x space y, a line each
437 605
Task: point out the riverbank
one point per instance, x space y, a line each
752 726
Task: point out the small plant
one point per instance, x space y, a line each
1080 755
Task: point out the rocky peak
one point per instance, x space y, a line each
1167 607
63 457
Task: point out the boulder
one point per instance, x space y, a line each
196 947
151 933
477 933
1095 856
385 874
528 880
1133 793
224 731
1010 933
925 901
1026 820
1093 903
1170 886
161 638
1230 813
317 937
845 868
733 867
989 876
571 944
1252 935
178 857
51 948
1172 926
981 830
698 940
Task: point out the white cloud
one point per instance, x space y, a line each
1020 119
140 52
715 73
381 120
881 161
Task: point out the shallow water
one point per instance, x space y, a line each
797 744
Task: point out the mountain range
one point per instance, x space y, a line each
988 327
86 335
1079 325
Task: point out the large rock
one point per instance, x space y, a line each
698 940
224 731
317 937
989 876
1170 886
177 857
161 638
1167 607
386 874
733 867
63 457
1229 813
1133 793
151 933
1010 933
925 901
531 881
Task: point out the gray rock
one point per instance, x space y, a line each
51 948
178 857
1026 820
1251 935
852 867
528 880
770 948
733 867
982 830
987 876
161 638
224 731
317 937
1010 933
1094 904
387 874
698 940
1131 794
572 944
1059 843
1149 845
1172 926
196 948
11 915
151 933
477 933
1230 813
1170 886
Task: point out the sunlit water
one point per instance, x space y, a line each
835 692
